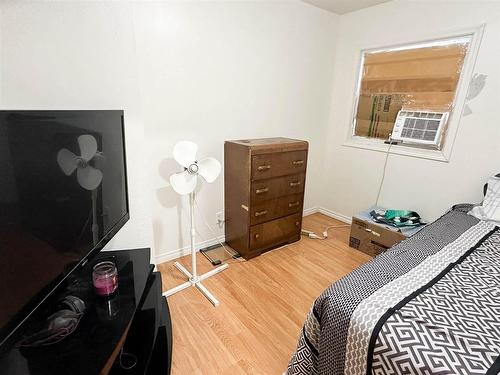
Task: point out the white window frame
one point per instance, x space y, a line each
444 154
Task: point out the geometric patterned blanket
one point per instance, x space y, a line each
429 305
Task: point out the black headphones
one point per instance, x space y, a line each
59 325
73 304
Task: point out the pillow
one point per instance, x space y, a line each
490 209
485 187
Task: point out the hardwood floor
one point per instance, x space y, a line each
264 303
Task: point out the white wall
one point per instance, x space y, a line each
213 71
202 71
79 56
428 186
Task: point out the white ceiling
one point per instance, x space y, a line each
344 6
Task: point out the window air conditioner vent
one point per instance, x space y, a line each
420 127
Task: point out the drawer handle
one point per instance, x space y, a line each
257 235
294 183
261 191
297 223
293 204
297 162
260 213
263 167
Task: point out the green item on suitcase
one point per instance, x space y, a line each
402 218
391 214
397 218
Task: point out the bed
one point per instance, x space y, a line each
429 305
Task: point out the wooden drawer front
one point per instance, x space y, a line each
274 231
278 164
275 208
276 187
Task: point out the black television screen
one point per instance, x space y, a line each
63 195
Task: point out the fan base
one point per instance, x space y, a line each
196 281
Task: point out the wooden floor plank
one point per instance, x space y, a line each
264 303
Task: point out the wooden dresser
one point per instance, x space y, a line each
264 193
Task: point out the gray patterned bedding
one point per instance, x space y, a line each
429 305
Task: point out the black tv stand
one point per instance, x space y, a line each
136 321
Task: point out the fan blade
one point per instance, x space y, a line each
185 153
88 146
67 161
209 168
89 177
183 182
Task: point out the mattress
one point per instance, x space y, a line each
429 305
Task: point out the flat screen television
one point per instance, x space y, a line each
63 196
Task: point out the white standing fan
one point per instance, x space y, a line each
185 183
87 176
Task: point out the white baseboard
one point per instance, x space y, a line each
310 211
332 214
336 215
177 253
186 250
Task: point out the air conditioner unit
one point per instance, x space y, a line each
419 127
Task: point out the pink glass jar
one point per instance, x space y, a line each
105 278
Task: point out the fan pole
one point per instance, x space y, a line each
194 279
193 235
95 226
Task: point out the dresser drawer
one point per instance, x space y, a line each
264 190
278 164
275 231
275 208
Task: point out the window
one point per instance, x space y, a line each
420 78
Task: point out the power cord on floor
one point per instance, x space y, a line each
314 236
234 260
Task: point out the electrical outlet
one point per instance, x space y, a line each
220 219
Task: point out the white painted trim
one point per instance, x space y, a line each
329 213
310 211
443 155
335 215
186 250
379 145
